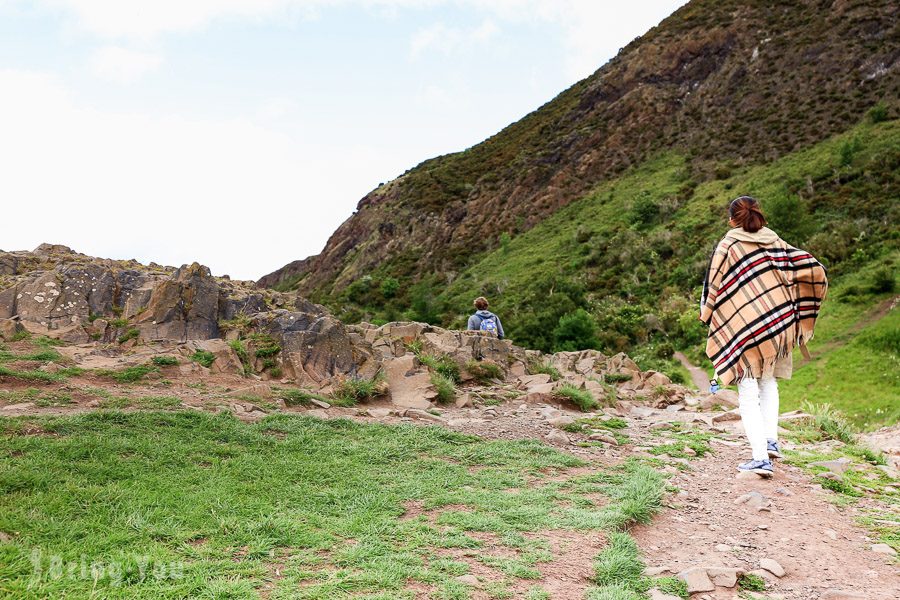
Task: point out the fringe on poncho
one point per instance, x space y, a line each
761 298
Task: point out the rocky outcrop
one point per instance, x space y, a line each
183 307
80 298
316 347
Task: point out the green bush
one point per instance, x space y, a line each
117 323
203 357
164 361
576 331
883 281
579 397
446 388
878 113
389 287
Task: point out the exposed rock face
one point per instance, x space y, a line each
56 290
317 347
183 307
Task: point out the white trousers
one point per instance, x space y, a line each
759 413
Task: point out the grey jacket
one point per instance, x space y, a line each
476 319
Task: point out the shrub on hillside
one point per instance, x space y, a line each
389 287
883 282
878 113
576 331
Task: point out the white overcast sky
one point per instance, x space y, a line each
241 133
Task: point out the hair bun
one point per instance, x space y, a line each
747 214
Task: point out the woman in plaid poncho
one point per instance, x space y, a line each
760 300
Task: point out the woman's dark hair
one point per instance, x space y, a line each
481 303
746 213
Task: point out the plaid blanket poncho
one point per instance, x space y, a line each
760 299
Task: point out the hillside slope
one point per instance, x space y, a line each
722 83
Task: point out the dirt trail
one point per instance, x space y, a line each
699 377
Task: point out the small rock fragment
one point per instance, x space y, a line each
884 549
772 566
697 580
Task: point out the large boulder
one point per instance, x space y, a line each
59 298
231 307
316 348
408 384
182 307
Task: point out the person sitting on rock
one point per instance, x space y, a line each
760 299
485 320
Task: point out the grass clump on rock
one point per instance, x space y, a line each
297 397
203 357
353 390
164 361
129 374
577 396
446 387
485 371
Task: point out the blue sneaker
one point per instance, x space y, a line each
763 468
773 449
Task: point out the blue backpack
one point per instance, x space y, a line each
489 324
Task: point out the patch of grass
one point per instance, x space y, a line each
71 372
442 364
267 347
446 388
831 423
619 564
119 323
129 374
840 486
49 399
47 355
855 367
544 368
353 390
752 583
20 336
203 357
30 375
579 397
43 340
485 371
131 334
164 361
613 426
174 487
243 356
297 397
698 442
672 585
614 378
